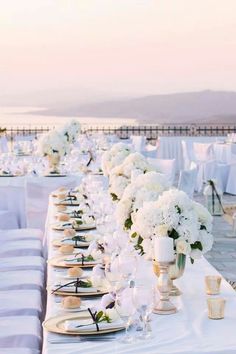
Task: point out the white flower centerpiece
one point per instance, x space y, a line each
120 176
146 187
175 214
114 157
71 131
54 146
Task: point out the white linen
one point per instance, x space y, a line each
19 351
21 248
167 167
8 220
20 303
23 263
89 326
72 288
187 181
23 279
21 234
188 331
20 332
231 183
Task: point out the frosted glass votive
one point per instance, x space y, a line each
212 283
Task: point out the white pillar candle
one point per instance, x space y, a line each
164 249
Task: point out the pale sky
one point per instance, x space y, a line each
117 47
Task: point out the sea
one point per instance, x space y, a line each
33 117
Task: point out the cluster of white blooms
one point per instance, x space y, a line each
52 142
114 157
58 140
71 131
187 222
120 176
146 187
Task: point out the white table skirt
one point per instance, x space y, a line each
188 331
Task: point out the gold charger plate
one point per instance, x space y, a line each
68 293
60 262
56 325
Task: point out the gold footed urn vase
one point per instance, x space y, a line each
54 162
175 271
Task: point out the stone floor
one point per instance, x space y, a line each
223 254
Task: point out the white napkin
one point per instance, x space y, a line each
71 325
71 288
74 261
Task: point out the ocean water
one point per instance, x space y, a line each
31 117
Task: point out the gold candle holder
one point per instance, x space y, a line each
212 283
165 306
216 308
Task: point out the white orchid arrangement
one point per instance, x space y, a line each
176 215
71 131
51 143
146 187
114 157
120 176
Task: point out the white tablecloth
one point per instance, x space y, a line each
188 331
224 153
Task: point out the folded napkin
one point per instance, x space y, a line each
76 261
72 289
88 325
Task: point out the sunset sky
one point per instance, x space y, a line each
117 47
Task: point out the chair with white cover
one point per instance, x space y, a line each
22 280
3 145
37 194
138 142
187 180
203 153
186 155
23 263
21 234
13 200
167 167
20 332
21 248
231 183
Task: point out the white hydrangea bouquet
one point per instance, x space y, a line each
146 187
52 143
174 214
114 157
120 176
71 131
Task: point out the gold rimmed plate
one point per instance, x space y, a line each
57 325
96 292
61 262
64 226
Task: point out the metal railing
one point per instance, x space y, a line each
152 132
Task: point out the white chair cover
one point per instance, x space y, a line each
23 263
231 184
167 167
3 144
19 351
21 303
20 248
186 156
8 219
22 280
21 234
203 151
20 332
138 142
37 194
13 200
187 181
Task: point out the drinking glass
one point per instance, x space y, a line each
143 299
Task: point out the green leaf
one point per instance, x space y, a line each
197 246
192 260
99 316
178 209
114 196
79 222
173 234
134 235
128 223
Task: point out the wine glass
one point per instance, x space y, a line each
143 300
113 275
125 308
127 261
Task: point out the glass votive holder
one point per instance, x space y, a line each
212 283
216 308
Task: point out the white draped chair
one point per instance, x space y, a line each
231 183
37 194
3 144
22 280
21 303
138 142
23 263
187 180
21 248
13 200
20 332
167 167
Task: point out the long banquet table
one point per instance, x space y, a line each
187 331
